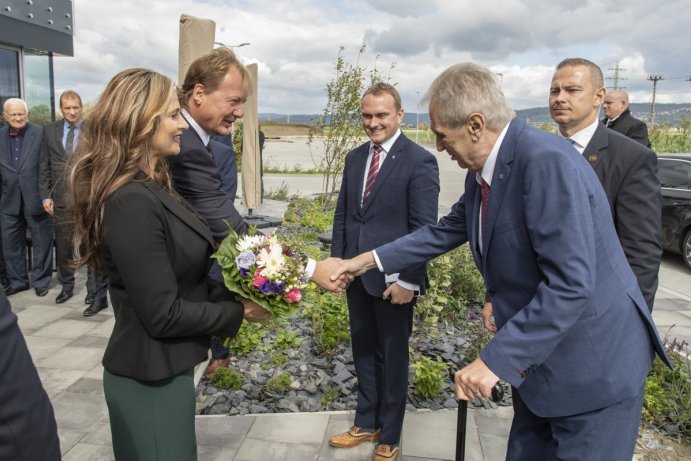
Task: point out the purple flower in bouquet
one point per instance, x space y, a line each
245 260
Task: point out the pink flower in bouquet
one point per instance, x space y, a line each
294 295
258 278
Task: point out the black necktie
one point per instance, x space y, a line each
484 190
69 140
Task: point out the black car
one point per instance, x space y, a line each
675 178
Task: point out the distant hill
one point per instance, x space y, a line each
667 114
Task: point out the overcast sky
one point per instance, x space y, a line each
295 43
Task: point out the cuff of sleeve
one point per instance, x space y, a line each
408 286
46 200
376 260
309 268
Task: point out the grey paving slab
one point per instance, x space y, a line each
69 438
88 452
223 431
96 373
294 428
105 328
494 422
72 358
68 329
99 435
56 380
35 317
87 386
669 318
340 423
430 434
78 411
215 453
262 450
670 304
493 447
99 342
41 346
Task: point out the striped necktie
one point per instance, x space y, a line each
69 140
372 173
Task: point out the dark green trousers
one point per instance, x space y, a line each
151 421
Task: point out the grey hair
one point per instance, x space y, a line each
467 88
15 101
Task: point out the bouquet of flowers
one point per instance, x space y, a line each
260 268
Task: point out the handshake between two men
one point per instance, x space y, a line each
334 274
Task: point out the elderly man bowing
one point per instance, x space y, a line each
575 337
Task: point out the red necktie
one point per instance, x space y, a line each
372 173
485 200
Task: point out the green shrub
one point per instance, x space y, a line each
285 340
247 339
667 400
279 383
455 285
428 377
330 394
278 359
225 378
309 213
329 316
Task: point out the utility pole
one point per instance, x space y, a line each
654 79
617 76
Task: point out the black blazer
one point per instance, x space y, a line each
405 197
628 173
20 184
52 171
156 253
630 127
197 178
27 423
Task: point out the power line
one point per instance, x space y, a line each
617 76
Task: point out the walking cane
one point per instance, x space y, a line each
497 395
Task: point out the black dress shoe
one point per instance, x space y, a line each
13 290
89 299
5 283
41 291
95 308
63 296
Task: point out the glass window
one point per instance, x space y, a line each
37 86
9 74
675 174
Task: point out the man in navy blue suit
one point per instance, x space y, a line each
575 337
390 187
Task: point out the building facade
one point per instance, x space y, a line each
31 33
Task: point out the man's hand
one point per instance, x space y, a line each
324 275
254 312
474 381
487 320
48 205
356 266
398 294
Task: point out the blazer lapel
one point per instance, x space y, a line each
597 147
30 138
179 210
500 178
358 172
57 138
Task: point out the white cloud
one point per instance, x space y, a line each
295 43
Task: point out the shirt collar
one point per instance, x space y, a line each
583 137
195 126
488 168
388 144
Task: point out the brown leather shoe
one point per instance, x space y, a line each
384 452
353 438
214 365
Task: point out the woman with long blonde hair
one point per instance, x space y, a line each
155 250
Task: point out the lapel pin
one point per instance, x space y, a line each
592 158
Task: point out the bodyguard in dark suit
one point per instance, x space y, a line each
20 206
57 148
626 169
575 338
27 422
618 117
390 187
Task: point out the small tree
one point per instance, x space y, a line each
340 121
